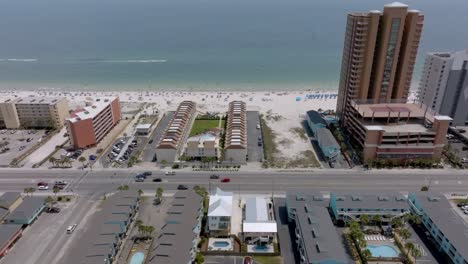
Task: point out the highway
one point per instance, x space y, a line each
97 183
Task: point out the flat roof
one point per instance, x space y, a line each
173 244
439 210
38 100
7 232
321 240
370 200
315 117
143 126
326 138
8 199
390 110
90 112
26 209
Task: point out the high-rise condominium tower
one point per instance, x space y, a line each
378 56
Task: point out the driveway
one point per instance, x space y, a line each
149 150
254 151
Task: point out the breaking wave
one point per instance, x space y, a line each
19 60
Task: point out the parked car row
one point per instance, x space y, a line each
463 207
118 148
73 155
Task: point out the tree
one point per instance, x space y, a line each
416 252
26 191
424 189
123 188
409 246
150 230
364 219
397 222
140 192
56 190
82 160
159 192
53 160
404 233
32 190
164 163
49 201
376 219
366 254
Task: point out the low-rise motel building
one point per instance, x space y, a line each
33 112
89 125
446 228
235 144
171 144
396 130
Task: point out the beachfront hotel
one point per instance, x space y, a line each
444 85
172 142
235 149
396 130
33 112
89 125
378 56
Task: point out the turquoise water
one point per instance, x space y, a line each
193 44
137 258
221 244
382 251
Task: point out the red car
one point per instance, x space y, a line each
248 260
225 180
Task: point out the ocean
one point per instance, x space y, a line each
194 45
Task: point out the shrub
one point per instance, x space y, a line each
59 198
175 166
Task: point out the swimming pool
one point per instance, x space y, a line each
137 258
221 244
382 251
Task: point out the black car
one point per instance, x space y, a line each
214 177
157 180
141 175
52 210
151 141
147 173
259 143
182 187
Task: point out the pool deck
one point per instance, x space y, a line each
212 247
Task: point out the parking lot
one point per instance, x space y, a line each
254 137
122 151
460 149
16 142
149 150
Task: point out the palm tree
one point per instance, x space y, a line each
56 190
52 160
82 160
32 190
376 219
397 222
366 254
150 230
364 219
409 246
159 192
26 191
140 192
49 200
416 252
123 188
404 233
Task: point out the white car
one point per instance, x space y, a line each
43 187
258 126
170 172
71 228
464 160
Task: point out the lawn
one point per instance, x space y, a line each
268 260
203 125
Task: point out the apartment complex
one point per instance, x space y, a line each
203 145
220 213
33 112
444 85
316 237
89 125
101 242
235 145
177 241
347 207
447 229
172 142
396 130
378 56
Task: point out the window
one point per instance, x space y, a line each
389 56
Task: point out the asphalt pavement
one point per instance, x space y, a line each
254 151
149 150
